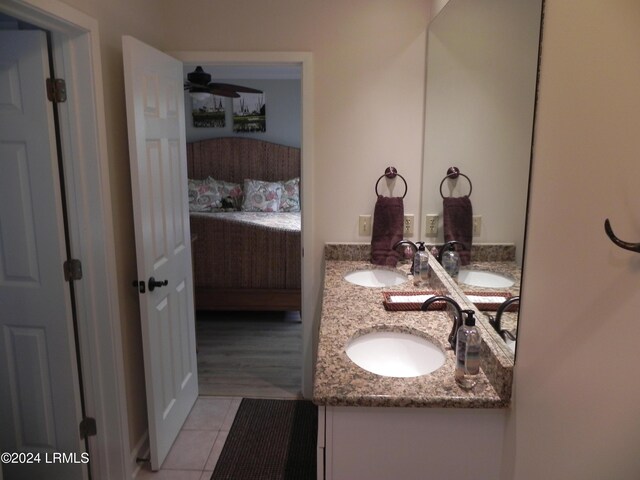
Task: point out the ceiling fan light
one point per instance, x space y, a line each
200 96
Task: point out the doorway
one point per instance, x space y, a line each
255 353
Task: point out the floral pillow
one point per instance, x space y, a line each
226 189
229 193
203 197
290 200
261 196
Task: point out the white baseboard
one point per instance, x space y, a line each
141 450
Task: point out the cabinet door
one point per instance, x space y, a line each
384 443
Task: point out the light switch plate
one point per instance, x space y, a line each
364 225
477 225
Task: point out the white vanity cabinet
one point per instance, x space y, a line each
389 443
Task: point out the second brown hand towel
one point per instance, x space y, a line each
388 219
457 219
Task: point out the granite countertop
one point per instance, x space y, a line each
350 310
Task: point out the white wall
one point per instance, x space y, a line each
576 403
481 75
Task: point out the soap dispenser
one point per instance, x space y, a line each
451 263
421 266
468 352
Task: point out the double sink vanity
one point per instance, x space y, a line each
403 422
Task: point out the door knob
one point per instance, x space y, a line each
153 283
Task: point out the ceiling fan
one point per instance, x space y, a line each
199 84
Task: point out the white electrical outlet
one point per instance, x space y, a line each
477 225
364 225
408 224
431 225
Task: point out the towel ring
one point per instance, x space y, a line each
391 172
453 173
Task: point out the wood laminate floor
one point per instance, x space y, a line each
249 354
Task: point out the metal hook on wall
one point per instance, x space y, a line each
634 247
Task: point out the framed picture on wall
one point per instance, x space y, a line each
249 113
208 112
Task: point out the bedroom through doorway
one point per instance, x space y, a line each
247 257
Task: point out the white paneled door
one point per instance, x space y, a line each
40 406
157 150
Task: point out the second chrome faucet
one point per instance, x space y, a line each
457 315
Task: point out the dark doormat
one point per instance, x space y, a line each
270 440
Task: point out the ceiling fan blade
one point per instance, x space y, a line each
191 88
198 81
224 93
234 88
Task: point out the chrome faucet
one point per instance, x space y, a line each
457 315
447 246
496 322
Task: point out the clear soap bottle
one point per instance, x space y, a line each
451 263
468 345
421 266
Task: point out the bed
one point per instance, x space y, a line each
244 260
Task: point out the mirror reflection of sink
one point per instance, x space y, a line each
376 277
395 354
482 278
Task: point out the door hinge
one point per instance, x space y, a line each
88 427
72 269
56 90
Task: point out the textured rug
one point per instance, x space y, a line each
270 440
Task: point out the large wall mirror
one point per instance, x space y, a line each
482 58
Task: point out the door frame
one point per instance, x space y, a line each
76 52
304 60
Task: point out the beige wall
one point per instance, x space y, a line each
576 404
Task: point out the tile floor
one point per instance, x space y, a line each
197 448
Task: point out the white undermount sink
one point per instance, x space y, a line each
376 277
395 354
485 279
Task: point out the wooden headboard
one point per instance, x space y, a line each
233 159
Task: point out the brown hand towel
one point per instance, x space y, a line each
388 219
457 218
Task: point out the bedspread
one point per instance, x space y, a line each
277 221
